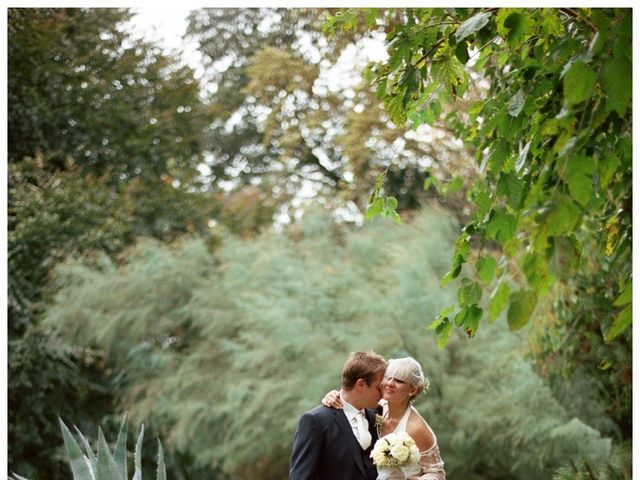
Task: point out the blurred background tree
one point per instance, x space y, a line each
284 123
103 148
221 349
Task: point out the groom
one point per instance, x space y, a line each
332 444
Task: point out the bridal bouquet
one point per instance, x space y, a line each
396 451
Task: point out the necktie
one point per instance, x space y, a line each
364 436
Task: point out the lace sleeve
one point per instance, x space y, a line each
432 466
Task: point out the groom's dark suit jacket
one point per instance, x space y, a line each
325 448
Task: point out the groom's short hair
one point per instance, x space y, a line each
365 365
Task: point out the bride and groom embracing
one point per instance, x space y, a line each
369 429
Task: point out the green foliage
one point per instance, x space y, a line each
43 376
80 86
105 465
619 466
202 340
568 346
103 133
281 124
551 135
497 419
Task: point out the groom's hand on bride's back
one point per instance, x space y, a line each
332 399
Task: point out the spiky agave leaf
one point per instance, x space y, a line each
120 451
88 451
161 473
15 476
138 455
79 466
107 467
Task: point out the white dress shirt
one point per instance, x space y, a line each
359 423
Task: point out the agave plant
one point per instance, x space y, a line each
104 465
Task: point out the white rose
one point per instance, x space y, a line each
414 455
378 457
400 452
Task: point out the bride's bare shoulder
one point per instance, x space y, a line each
420 431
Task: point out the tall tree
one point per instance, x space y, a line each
97 122
551 140
281 125
80 86
103 148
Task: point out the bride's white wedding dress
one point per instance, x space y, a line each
431 465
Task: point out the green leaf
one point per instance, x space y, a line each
472 320
444 332
625 297
515 24
394 106
497 157
461 53
389 209
498 301
578 83
453 273
442 317
523 303
374 208
161 473
107 467
449 72
616 81
482 200
137 475
510 187
469 319
429 182
501 226
536 270
93 460
79 466
620 324
607 168
562 217
578 174
486 268
470 292
516 104
120 451
472 25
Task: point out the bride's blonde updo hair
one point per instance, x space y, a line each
408 370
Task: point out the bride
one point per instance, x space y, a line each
403 382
